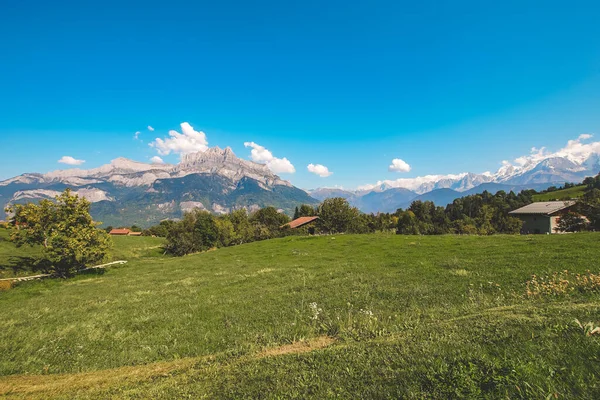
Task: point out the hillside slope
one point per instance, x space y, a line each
563 194
370 316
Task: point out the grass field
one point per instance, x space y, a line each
348 316
564 194
13 261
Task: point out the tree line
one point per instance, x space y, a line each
476 214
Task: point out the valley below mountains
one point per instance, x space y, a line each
127 192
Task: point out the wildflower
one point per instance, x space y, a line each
315 310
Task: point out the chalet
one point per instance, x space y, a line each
542 217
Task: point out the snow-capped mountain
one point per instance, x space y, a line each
551 170
534 173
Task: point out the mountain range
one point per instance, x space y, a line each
388 196
127 192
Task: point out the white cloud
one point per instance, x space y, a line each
281 166
136 135
189 141
261 155
399 165
319 169
151 129
156 160
70 160
585 136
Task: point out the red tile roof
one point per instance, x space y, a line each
298 222
123 231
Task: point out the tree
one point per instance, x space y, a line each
241 226
336 216
306 211
197 231
64 228
408 223
135 228
225 231
160 230
590 207
571 222
267 222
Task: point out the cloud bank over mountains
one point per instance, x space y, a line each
578 156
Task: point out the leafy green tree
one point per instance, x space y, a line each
337 216
181 239
267 223
197 231
590 207
135 228
241 226
571 222
408 224
64 228
306 211
225 231
160 230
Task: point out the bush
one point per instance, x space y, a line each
197 231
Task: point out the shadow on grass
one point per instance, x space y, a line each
21 265
95 271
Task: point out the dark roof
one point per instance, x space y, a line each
298 222
543 207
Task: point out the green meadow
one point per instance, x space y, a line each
345 316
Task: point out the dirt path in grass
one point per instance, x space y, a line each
45 386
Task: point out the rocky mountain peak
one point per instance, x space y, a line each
225 163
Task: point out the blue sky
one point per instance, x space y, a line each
446 86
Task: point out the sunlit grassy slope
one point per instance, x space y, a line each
15 262
564 194
369 316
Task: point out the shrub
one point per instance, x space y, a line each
562 283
